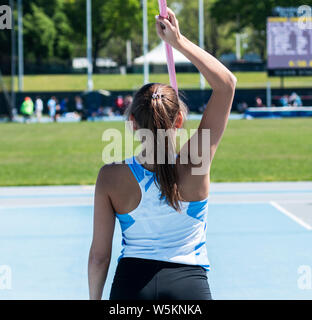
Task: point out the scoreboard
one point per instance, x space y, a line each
289 47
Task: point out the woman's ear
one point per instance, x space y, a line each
132 119
179 121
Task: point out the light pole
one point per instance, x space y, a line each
20 46
129 53
13 60
238 46
89 44
240 38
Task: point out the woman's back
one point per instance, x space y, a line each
153 229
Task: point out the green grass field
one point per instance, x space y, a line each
134 81
71 153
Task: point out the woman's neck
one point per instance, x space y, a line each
143 161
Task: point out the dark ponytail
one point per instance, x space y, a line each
156 107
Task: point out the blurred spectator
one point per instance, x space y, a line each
52 108
295 100
108 112
102 112
27 109
284 100
119 103
242 106
202 108
57 110
80 108
259 103
38 108
79 104
63 105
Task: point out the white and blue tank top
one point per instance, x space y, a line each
154 230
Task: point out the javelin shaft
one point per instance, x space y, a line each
169 53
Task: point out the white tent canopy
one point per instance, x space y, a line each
158 56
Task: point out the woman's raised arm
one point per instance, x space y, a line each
221 80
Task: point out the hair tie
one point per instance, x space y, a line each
156 96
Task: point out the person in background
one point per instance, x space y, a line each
259 103
57 110
100 112
295 100
63 105
242 106
27 109
52 108
79 104
108 112
38 108
284 101
80 108
119 103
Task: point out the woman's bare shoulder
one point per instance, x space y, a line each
112 174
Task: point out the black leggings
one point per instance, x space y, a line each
146 279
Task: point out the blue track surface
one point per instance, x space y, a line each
254 250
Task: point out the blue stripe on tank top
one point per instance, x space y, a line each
126 221
199 245
149 183
196 210
136 170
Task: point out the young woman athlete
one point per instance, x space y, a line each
162 208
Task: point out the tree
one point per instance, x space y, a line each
253 14
47 30
110 19
218 39
39 34
63 46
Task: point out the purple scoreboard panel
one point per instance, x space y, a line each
289 48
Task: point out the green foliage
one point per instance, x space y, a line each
132 30
47 30
57 28
250 14
218 38
39 34
113 22
63 48
49 7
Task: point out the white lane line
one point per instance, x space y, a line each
218 201
290 215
